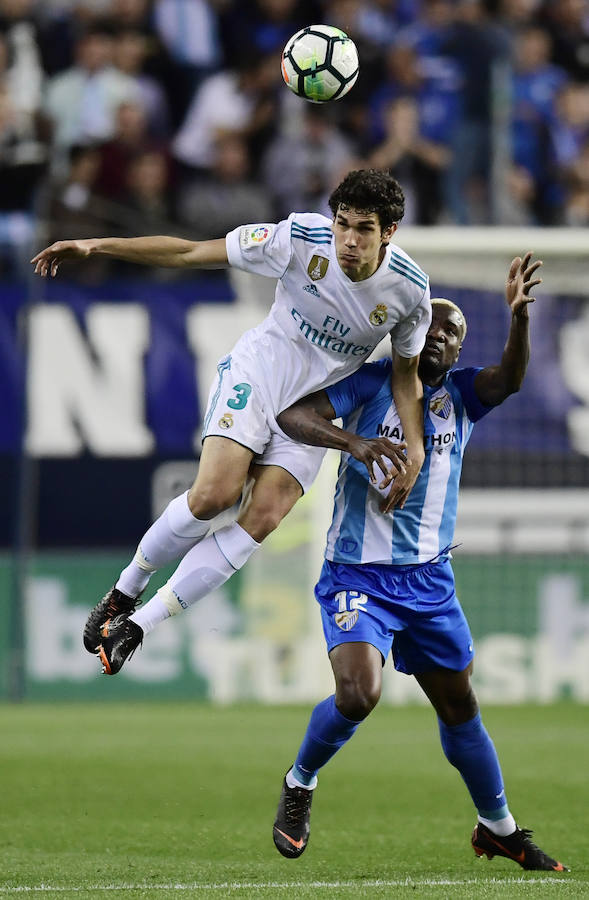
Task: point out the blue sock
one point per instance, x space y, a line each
327 731
470 749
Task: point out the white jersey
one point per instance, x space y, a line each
322 326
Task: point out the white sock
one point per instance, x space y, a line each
151 614
501 827
294 782
235 544
134 578
170 536
208 565
202 569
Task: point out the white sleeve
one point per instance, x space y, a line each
264 249
408 335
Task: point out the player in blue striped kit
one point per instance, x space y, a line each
387 580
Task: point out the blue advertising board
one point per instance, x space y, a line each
101 384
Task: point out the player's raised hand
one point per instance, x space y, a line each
47 261
520 281
389 457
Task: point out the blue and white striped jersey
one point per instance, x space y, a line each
360 532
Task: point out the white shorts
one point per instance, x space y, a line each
237 409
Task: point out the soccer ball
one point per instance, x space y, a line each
320 63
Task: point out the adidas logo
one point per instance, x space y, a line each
311 289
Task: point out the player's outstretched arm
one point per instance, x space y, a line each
310 421
494 383
169 252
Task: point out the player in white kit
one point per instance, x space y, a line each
342 286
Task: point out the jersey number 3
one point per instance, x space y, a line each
242 392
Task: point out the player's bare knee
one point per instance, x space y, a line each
209 499
262 520
458 709
356 698
470 706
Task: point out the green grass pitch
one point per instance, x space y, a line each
178 800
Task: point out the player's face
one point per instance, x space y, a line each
442 343
359 241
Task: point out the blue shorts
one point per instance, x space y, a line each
413 609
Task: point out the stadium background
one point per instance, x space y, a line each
136 117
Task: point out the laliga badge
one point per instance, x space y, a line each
317 268
379 315
346 620
249 236
226 421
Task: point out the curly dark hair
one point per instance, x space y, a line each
371 190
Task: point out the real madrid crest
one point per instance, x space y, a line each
226 421
379 314
317 268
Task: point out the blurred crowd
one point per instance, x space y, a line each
170 116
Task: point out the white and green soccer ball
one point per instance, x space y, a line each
320 63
